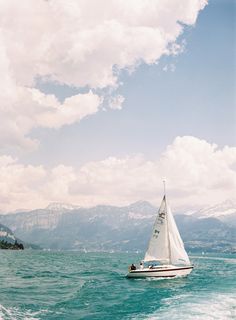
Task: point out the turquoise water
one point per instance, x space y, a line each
73 285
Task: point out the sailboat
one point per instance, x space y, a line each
165 256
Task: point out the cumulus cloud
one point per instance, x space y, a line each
79 43
198 173
116 102
29 108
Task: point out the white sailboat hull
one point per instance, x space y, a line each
169 271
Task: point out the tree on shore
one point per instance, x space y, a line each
12 246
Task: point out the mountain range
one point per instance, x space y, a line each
63 226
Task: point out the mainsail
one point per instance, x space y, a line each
166 245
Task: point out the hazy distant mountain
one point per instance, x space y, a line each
206 234
99 228
225 212
63 226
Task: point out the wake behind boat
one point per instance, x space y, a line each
165 256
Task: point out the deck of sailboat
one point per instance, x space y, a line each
165 271
161 269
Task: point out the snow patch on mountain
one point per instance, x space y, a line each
138 216
58 206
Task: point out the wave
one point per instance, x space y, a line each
231 260
17 314
213 307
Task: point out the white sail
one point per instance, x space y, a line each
158 247
166 244
178 255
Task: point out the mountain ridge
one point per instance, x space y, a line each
227 207
114 228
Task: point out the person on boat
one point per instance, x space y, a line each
132 267
141 265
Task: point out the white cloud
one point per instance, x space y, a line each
79 43
197 173
116 102
29 108
73 109
170 68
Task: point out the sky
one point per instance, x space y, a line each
100 102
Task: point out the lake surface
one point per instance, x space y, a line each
74 285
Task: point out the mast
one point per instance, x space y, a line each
164 185
167 222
